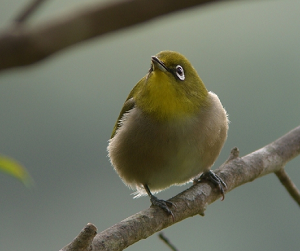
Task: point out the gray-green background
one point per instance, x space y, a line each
56 118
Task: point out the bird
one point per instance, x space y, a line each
170 130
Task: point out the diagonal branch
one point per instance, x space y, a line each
28 10
288 184
167 242
235 172
22 45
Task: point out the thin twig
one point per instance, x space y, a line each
28 11
167 242
288 184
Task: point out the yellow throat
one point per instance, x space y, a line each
172 89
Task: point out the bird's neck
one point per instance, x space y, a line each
163 102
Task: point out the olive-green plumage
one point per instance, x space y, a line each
170 129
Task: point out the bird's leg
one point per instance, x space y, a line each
215 179
163 204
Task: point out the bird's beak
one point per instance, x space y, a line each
157 64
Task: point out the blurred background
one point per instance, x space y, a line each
57 116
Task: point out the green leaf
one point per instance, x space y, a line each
15 169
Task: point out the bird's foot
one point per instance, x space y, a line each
163 204
215 179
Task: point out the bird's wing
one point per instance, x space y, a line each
128 105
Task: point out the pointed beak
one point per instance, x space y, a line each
157 64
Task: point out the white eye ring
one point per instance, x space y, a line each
180 72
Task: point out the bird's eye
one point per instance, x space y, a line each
180 72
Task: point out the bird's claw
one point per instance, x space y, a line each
215 179
164 205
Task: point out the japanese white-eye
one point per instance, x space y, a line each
169 131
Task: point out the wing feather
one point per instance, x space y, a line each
128 105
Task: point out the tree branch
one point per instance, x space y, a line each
167 242
288 184
21 45
84 239
28 11
235 172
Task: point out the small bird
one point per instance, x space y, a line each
169 131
